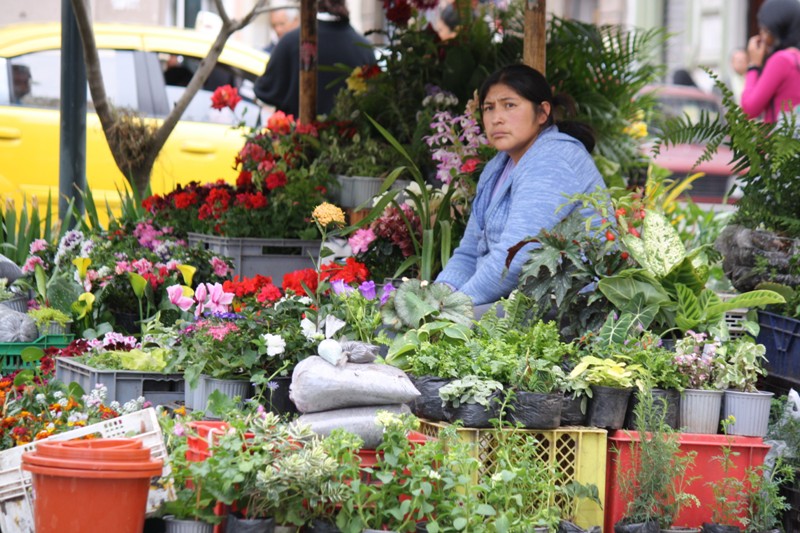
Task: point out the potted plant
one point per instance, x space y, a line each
701 400
50 321
741 364
471 399
11 298
608 383
653 481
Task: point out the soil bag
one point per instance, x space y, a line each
319 386
429 403
360 421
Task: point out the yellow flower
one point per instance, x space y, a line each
82 264
84 304
637 130
326 214
356 82
187 271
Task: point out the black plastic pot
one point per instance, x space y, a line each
536 410
472 415
571 413
651 526
321 526
708 527
661 397
277 396
236 524
607 407
429 404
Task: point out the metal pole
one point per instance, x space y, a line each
72 147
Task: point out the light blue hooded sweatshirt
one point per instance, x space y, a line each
554 167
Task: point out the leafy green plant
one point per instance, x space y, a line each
470 389
605 372
765 503
20 228
740 363
45 315
765 156
673 280
654 480
728 491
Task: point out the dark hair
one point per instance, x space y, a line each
531 85
334 7
782 19
449 16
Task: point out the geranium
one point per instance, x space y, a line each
225 96
351 271
695 356
295 281
361 239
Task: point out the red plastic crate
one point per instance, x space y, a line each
751 452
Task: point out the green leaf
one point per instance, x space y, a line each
41 281
31 354
689 313
75 390
459 523
748 300
484 509
23 377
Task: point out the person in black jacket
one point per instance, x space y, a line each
337 42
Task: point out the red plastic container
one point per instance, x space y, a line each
751 452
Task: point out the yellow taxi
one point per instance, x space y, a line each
145 69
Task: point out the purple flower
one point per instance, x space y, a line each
367 290
387 291
273 386
339 287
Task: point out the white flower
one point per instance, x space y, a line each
310 331
41 398
433 474
275 344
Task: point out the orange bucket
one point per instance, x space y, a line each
111 477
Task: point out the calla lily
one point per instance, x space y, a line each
187 271
82 264
138 283
84 304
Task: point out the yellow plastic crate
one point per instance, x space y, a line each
579 454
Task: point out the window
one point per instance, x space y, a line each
36 79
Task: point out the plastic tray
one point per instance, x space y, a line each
16 505
123 385
11 352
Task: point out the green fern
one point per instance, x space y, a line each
767 157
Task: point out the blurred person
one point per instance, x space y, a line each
337 42
21 81
282 21
448 22
737 74
772 82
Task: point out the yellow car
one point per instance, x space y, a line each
144 68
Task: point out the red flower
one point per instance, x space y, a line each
185 200
266 165
293 281
225 96
306 129
245 179
269 293
280 123
251 201
251 152
150 202
370 71
470 165
398 12
276 179
351 272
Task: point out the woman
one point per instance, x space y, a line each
539 164
772 84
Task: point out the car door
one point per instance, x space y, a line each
29 125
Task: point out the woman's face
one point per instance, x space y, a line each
511 122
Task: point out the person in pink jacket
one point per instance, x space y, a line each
772 84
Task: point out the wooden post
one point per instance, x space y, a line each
308 61
535 34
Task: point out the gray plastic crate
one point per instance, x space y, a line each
355 191
123 385
268 257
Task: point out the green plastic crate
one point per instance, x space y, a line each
11 352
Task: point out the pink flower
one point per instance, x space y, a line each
200 296
220 267
176 297
38 245
178 430
142 266
361 240
122 267
30 264
219 300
